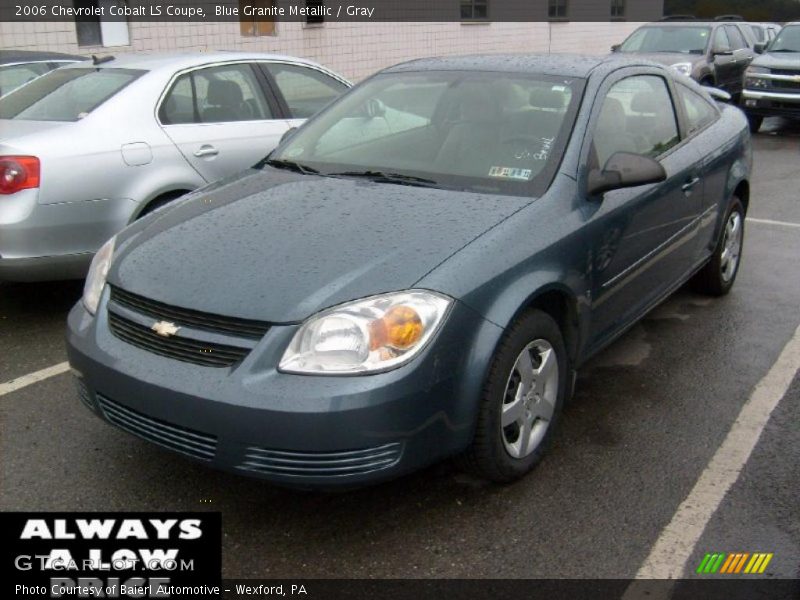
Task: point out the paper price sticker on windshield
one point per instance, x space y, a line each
510 173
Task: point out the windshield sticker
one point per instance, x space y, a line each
510 173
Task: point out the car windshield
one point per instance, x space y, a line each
788 40
493 132
685 40
65 94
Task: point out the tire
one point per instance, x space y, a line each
755 122
716 278
501 454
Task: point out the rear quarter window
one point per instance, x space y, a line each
65 94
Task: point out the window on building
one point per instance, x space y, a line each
474 10
617 9
94 31
557 9
316 13
257 25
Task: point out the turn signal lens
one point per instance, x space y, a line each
18 173
400 328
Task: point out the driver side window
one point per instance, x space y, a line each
637 116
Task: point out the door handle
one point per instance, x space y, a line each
690 183
206 150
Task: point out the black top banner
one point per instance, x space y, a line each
320 11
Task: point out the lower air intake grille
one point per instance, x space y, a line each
179 348
321 464
180 439
83 393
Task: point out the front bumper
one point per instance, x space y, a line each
767 104
300 431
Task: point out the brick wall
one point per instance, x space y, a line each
353 49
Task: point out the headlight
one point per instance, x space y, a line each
756 70
684 68
96 279
365 336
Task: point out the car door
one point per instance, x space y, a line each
302 90
743 55
223 118
642 237
723 59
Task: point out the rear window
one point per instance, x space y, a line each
65 94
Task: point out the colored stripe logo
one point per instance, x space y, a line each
734 563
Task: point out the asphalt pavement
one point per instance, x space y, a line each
648 416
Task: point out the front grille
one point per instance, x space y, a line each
180 439
179 348
188 317
792 72
778 84
321 464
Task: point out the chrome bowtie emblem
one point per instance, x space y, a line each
165 328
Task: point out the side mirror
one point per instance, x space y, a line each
759 47
721 51
616 47
625 169
287 134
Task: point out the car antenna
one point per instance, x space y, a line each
100 61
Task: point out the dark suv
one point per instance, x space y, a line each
772 81
713 53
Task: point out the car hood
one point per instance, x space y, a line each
778 60
670 58
279 247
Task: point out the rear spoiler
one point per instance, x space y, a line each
717 94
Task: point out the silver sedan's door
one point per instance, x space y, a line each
221 118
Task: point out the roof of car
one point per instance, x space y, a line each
567 65
21 56
152 61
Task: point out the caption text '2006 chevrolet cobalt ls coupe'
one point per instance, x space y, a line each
368 300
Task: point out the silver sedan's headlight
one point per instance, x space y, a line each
96 279
751 70
684 68
365 336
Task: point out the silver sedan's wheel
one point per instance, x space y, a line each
530 399
731 246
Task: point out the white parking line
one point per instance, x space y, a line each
31 378
668 557
771 222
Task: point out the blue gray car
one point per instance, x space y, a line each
370 299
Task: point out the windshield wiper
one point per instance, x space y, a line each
280 163
382 177
783 50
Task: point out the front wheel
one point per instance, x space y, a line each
717 277
522 399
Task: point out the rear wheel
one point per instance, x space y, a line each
717 277
755 122
521 402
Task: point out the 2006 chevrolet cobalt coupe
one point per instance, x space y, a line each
417 272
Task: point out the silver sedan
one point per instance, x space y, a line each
89 148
